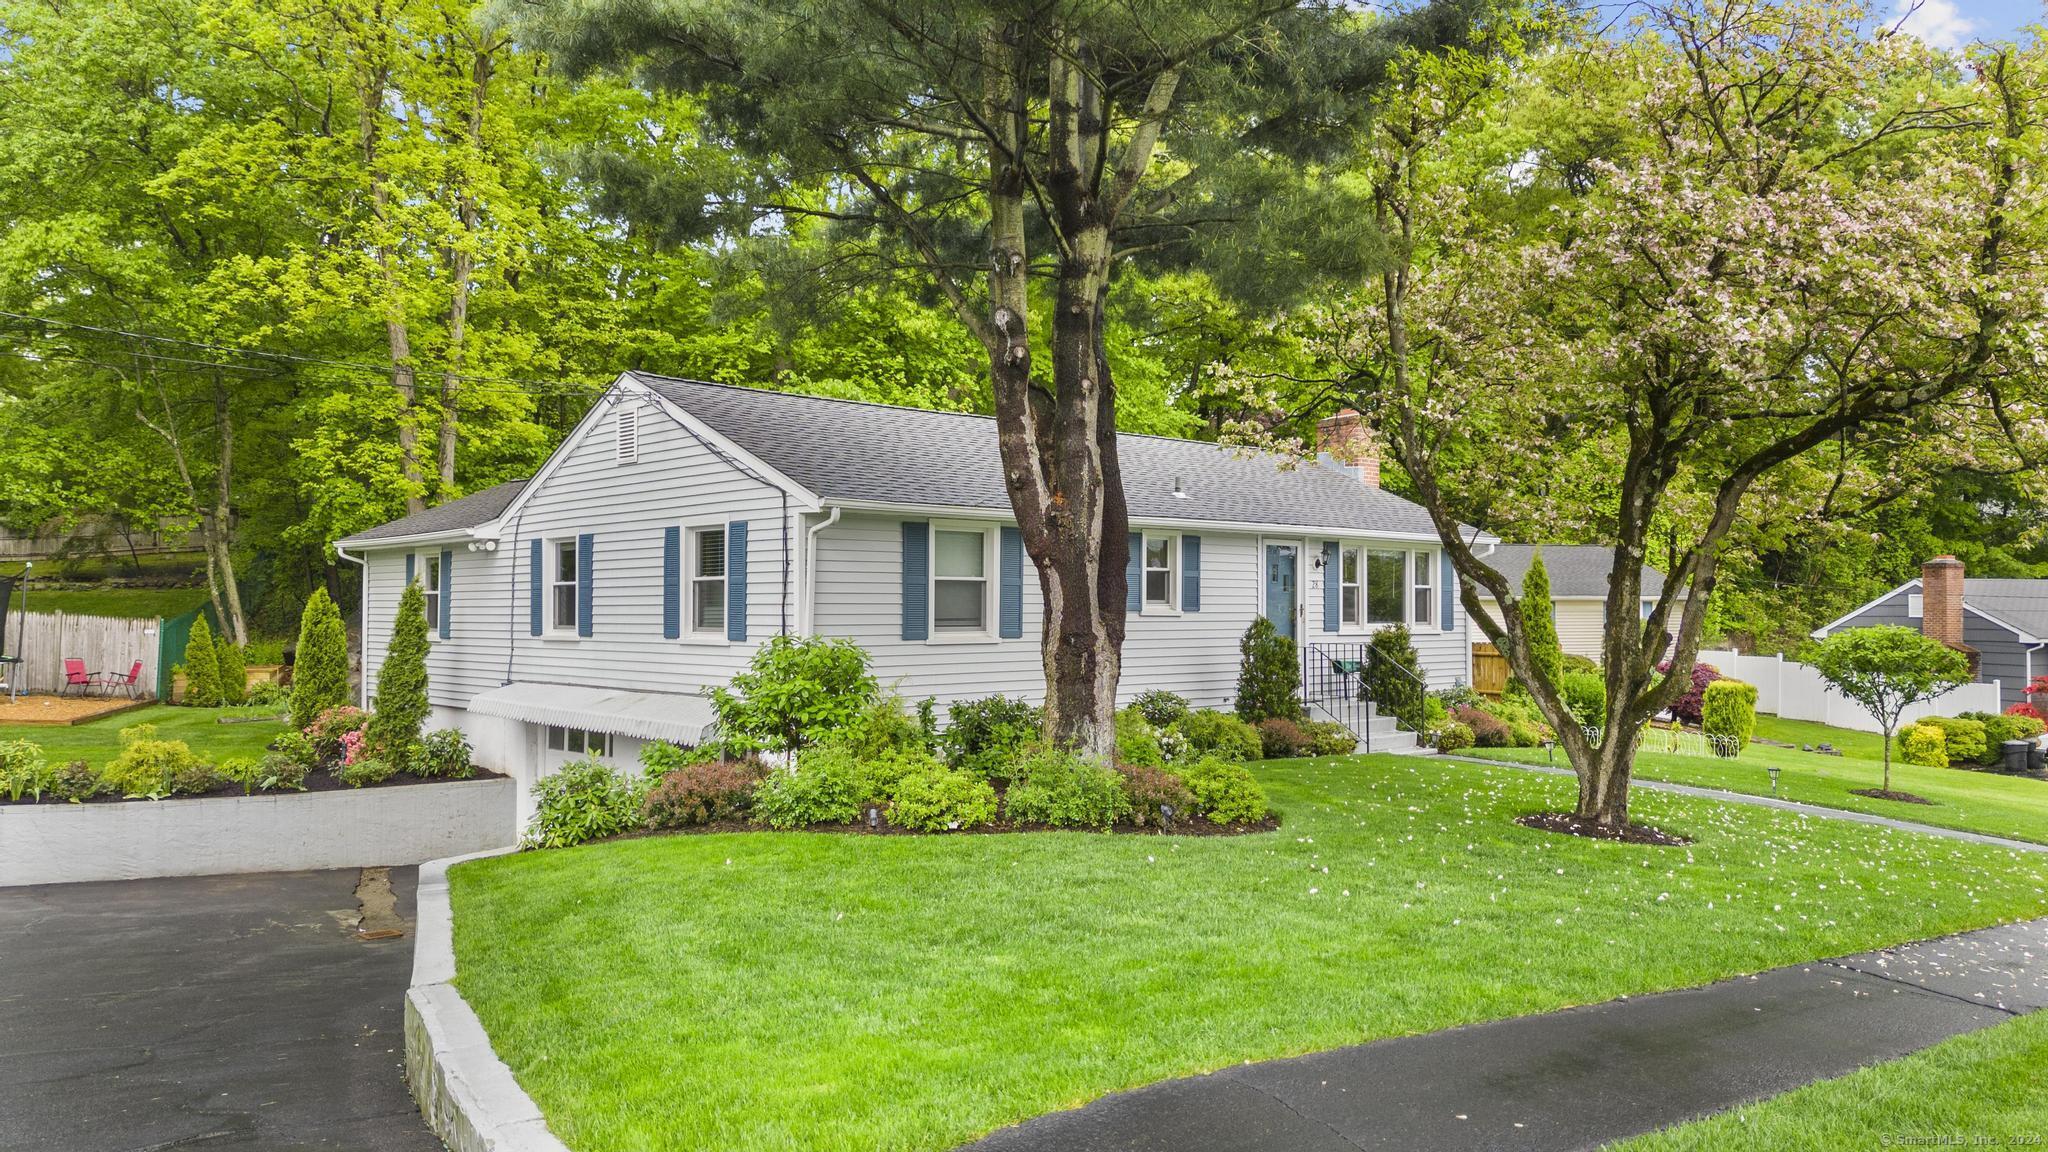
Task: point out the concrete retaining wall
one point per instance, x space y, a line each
466 1094
278 832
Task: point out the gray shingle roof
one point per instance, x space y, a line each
849 450
467 512
1575 569
2019 602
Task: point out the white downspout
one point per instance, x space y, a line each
809 596
362 615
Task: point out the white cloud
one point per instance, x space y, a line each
1939 22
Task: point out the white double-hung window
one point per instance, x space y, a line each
1386 577
1162 573
1350 586
430 584
707 580
960 583
1425 597
561 575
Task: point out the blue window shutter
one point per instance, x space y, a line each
447 586
1448 598
1191 573
1333 586
1134 575
917 552
533 590
409 558
583 583
672 582
1010 567
736 580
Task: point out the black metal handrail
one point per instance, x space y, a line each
1341 680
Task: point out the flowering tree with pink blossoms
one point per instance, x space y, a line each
1787 235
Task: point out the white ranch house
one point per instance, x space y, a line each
682 524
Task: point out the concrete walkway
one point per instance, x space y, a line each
217 1012
1821 811
1584 1076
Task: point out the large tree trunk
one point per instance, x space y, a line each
375 83
462 269
220 523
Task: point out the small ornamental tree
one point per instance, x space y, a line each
1539 620
234 671
202 668
1887 669
1728 708
1268 675
793 692
394 731
320 676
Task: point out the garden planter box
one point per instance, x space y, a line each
273 832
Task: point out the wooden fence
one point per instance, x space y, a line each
106 643
1489 670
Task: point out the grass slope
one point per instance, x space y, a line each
772 991
145 603
98 741
1974 801
1986 1089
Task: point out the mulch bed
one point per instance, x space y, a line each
1195 827
315 782
1901 797
1570 825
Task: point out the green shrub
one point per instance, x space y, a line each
1213 733
77 782
268 693
331 731
270 772
1924 744
1434 711
878 775
2001 727
1065 790
1964 741
1585 694
1137 742
1226 793
942 799
825 788
583 801
1393 677
1281 739
988 736
793 692
320 669
234 671
1154 796
1573 662
1488 730
881 728
1268 674
1451 736
1160 708
393 733
444 754
148 766
299 748
1327 738
24 771
702 793
1728 708
1539 620
202 668
365 771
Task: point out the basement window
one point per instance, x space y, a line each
579 741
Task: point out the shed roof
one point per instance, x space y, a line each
2020 603
1576 571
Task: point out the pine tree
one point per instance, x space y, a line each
1539 621
402 682
320 675
234 671
202 668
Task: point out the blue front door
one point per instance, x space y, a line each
1280 573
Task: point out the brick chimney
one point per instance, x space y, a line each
1941 601
1348 439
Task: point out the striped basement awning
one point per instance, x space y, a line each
686 720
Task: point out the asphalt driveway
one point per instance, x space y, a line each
218 1012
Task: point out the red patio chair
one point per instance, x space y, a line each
75 675
113 680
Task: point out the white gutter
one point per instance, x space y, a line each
1005 515
363 616
808 603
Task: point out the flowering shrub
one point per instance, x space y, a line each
328 727
352 744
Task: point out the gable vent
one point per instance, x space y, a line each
629 434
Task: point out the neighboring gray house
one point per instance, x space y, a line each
681 524
2001 623
1578 588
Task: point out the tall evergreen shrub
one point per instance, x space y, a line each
234 670
1539 621
202 668
1268 675
394 731
320 676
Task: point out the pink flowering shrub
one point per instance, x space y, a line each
351 747
330 729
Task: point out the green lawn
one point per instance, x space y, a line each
802 990
98 741
1975 801
147 603
1988 1088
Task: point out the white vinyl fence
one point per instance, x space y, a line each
1792 691
106 643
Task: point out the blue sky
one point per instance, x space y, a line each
1952 23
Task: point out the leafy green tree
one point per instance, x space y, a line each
234 671
320 671
402 706
202 667
1268 675
1539 620
1887 669
793 692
